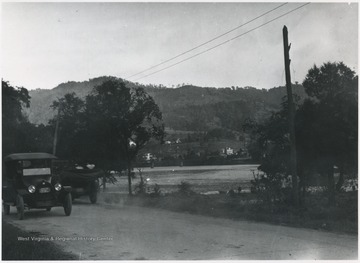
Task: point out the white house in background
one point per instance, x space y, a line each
228 151
148 156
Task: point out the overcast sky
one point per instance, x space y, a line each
45 44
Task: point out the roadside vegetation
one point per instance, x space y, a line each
341 218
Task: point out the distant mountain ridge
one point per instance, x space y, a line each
40 111
184 108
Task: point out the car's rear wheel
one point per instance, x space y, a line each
93 192
20 207
68 204
93 197
6 209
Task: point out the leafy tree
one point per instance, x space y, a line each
270 140
326 129
38 138
13 120
331 114
67 125
121 121
271 146
253 129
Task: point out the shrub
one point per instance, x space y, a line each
156 192
185 188
271 188
140 188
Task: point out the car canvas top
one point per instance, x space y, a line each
28 156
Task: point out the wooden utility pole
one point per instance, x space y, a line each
291 111
56 131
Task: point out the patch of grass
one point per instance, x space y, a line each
13 249
316 214
113 198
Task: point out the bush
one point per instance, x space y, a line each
185 188
271 188
140 188
157 191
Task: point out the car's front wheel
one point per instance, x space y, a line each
48 209
68 204
6 209
20 207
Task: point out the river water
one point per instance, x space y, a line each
201 178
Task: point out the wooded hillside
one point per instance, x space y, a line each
187 108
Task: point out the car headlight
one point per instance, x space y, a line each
58 187
31 189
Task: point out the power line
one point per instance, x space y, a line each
225 42
207 42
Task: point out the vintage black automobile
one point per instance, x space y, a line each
28 182
83 182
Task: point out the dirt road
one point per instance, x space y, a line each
118 232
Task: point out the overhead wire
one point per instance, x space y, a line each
223 43
209 41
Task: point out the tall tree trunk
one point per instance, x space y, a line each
302 184
302 190
104 183
129 178
331 185
56 132
340 182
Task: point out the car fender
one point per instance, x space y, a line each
67 188
22 192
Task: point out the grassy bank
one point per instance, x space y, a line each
341 218
13 249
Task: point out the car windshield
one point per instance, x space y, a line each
36 171
34 167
